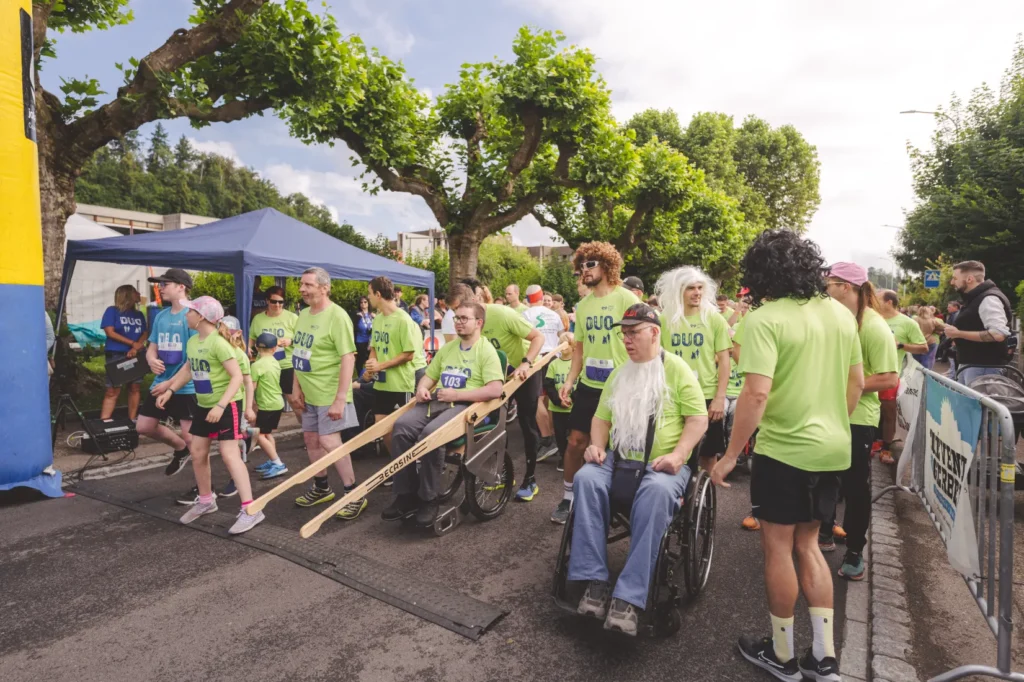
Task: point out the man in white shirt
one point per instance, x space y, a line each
542 318
982 326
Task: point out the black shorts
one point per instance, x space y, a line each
783 494
714 439
229 427
287 379
386 402
267 420
181 406
584 405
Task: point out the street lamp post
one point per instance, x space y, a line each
937 114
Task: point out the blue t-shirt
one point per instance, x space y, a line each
416 314
171 332
364 324
129 323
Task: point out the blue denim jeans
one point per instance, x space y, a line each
972 373
656 502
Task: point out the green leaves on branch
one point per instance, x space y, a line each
79 16
79 97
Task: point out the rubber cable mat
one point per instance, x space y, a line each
463 615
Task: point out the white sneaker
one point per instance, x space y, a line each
197 510
245 522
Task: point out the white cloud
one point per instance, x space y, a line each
839 72
219 147
393 41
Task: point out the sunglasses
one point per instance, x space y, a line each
590 265
276 301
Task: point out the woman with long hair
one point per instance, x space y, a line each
931 327
126 330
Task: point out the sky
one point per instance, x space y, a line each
839 72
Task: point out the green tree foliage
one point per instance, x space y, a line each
970 184
237 58
182 180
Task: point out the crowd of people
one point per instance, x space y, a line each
806 360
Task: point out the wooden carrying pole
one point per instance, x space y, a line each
368 436
447 433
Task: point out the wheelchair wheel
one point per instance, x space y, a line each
451 477
486 501
561 587
669 573
700 531
369 419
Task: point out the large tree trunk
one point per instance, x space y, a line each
463 255
57 201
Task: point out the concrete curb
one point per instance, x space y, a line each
152 462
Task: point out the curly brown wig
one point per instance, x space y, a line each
604 253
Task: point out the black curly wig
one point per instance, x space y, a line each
782 264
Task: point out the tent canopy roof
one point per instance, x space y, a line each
264 242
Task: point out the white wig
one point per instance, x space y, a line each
671 287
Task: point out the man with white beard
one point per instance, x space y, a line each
652 387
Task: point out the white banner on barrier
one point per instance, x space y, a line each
908 402
953 423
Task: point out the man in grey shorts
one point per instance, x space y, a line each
324 356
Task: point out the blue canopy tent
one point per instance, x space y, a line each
264 242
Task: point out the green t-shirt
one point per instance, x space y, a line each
453 367
558 369
519 308
806 348
684 399
266 374
282 326
906 331
603 350
319 344
727 315
696 342
507 331
390 336
879 357
735 376
419 360
206 358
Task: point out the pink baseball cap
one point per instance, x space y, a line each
849 272
207 306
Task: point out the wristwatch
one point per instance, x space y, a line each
899 346
527 361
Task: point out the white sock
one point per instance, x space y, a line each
821 621
567 491
782 637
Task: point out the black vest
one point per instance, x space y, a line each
969 320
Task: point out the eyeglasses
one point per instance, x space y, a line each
276 301
630 334
590 265
462 319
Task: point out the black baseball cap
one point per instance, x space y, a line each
266 340
638 313
633 282
174 275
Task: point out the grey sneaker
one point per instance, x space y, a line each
622 616
561 513
197 510
245 522
547 449
595 600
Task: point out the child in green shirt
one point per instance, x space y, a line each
554 379
266 381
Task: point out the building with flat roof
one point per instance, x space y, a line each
134 222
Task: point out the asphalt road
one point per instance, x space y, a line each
97 592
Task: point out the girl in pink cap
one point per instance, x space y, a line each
214 370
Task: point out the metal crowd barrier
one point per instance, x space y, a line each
990 484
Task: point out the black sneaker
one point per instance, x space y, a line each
402 507
427 514
189 498
230 490
761 652
826 542
825 670
178 461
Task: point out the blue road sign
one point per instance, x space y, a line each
931 279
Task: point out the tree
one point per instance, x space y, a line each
238 58
185 181
970 185
505 138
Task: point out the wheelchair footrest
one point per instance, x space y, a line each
448 518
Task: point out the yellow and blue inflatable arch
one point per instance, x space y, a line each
25 449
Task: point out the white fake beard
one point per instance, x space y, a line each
637 392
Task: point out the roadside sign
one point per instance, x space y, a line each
931 279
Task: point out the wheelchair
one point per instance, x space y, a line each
478 476
683 563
